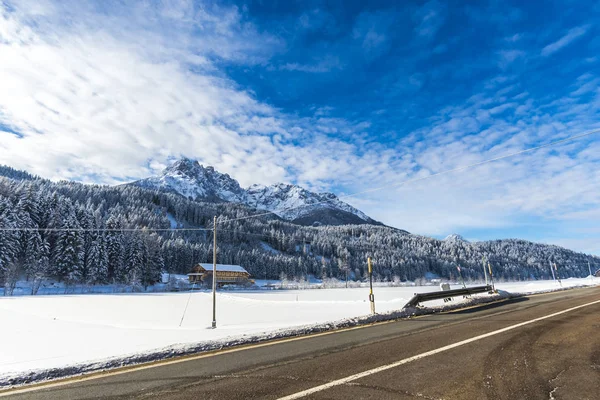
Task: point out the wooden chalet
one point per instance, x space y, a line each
226 275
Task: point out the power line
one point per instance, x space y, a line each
144 229
88 230
461 168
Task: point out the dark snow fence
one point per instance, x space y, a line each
443 294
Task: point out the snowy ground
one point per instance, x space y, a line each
43 332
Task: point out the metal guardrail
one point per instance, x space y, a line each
443 294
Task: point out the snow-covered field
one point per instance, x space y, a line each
43 332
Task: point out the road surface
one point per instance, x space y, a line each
541 347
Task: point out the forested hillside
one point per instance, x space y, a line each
78 233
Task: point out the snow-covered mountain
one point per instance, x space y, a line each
295 203
192 180
455 238
291 202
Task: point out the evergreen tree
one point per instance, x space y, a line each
37 262
135 259
114 250
97 261
8 239
68 253
154 266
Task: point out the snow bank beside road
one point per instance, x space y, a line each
42 332
46 332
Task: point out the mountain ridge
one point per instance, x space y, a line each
290 202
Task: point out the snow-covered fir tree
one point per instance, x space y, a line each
97 272
67 264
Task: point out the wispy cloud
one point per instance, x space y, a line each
507 57
572 35
430 18
371 31
544 185
514 38
101 94
113 97
325 65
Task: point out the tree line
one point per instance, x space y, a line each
92 234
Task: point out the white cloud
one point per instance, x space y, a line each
572 35
324 65
514 38
585 84
110 97
94 100
507 57
550 184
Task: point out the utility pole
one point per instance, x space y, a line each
557 277
484 270
590 268
371 295
214 277
346 269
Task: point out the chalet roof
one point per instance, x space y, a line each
224 267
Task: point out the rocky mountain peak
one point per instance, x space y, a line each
455 238
291 202
192 180
184 165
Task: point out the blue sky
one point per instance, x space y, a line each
337 96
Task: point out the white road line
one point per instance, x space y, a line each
360 375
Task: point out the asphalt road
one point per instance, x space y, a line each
526 352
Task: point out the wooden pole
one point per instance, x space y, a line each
484 270
371 295
214 277
491 276
346 268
